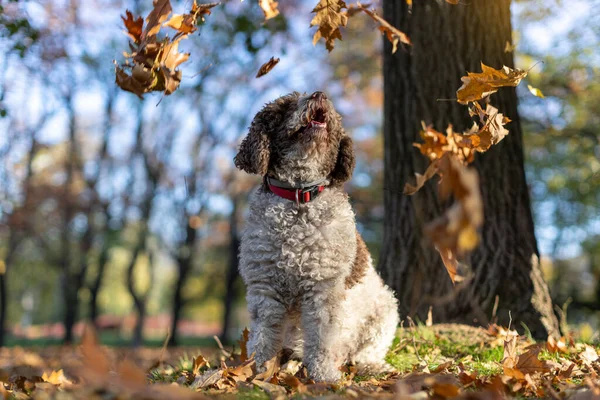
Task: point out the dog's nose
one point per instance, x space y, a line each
319 96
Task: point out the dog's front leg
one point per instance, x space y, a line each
267 326
321 324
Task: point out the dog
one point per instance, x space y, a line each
311 284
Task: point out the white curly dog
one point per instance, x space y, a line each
311 285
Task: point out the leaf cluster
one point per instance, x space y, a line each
455 233
152 65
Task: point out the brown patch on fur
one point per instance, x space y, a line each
361 263
345 163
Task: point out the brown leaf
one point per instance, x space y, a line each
133 26
269 7
589 355
529 363
131 375
171 57
452 1
455 232
393 34
275 391
271 368
243 342
184 23
267 67
477 86
493 130
203 9
329 18
431 171
94 359
160 11
199 363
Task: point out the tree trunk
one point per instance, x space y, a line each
97 283
449 40
184 266
232 268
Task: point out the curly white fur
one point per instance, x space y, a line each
294 261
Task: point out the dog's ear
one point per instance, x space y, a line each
253 156
344 165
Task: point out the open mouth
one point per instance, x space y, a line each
318 119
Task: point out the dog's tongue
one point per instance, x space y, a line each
316 124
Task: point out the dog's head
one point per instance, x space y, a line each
298 138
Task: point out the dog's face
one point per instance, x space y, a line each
298 138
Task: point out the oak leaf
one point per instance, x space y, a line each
477 86
329 18
184 23
269 7
267 67
393 34
133 26
430 172
160 11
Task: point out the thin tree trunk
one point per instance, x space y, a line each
184 266
448 41
232 269
70 293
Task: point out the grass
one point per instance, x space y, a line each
428 346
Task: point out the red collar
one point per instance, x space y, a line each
302 194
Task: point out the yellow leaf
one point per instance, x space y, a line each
269 7
477 86
535 91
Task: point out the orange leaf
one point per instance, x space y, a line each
133 26
267 67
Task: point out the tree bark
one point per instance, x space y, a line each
449 40
232 268
184 266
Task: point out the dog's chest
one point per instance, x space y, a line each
295 247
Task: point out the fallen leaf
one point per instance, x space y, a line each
529 362
267 67
271 368
535 91
269 7
589 355
57 378
199 363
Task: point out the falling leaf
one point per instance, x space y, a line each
509 47
393 34
477 86
133 26
454 233
267 67
329 18
202 9
535 91
493 130
184 23
269 7
452 1
171 57
160 11
431 171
